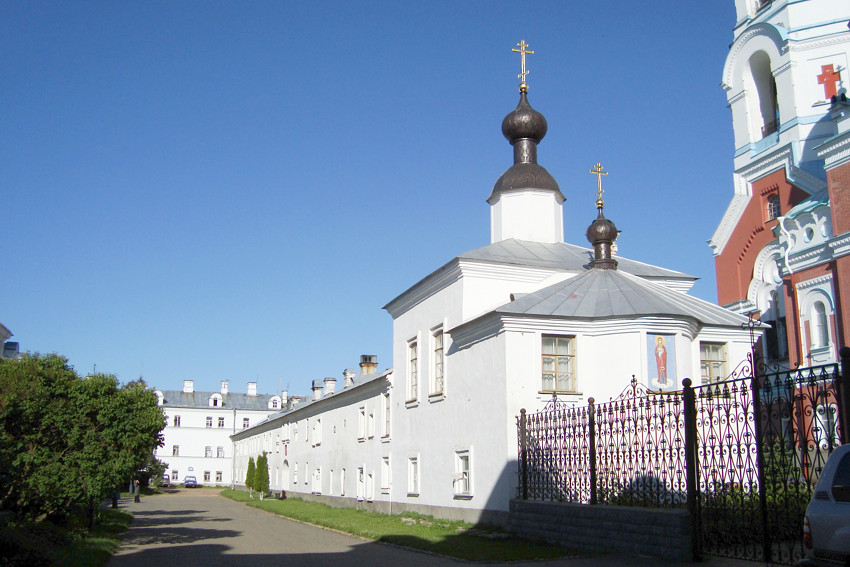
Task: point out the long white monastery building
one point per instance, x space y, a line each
494 330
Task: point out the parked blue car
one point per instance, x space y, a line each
190 481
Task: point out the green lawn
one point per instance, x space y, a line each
452 538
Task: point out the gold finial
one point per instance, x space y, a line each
523 87
597 171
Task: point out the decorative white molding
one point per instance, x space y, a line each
836 157
762 29
813 282
823 41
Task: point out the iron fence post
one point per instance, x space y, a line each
756 381
690 414
523 455
844 395
591 433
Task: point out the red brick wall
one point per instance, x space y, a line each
839 198
734 267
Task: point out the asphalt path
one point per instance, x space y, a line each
199 527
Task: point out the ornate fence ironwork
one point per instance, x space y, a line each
743 455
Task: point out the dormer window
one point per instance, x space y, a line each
216 401
274 402
160 397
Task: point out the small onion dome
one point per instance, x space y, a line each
601 230
524 122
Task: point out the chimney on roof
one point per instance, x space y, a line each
224 385
284 399
188 386
317 389
252 388
348 376
330 386
368 364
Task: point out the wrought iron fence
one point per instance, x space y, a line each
743 455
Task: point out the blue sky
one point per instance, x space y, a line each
223 190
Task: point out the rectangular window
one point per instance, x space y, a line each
174 476
295 473
361 483
246 423
712 362
385 432
413 476
412 371
558 364
361 423
219 452
342 482
206 476
437 384
208 451
370 424
385 475
218 476
175 450
209 421
317 432
462 478
370 487
176 421
221 422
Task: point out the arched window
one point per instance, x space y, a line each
764 108
215 401
773 209
820 325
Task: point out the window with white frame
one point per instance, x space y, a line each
819 325
209 421
413 476
370 487
385 475
331 481
174 475
412 371
219 452
221 422
218 476
295 473
361 483
361 423
207 476
176 421
317 432
370 424
208 451
437 383
246 423
385 429
175 450
462 476
712 362
317 481
306 472
342 482
558 364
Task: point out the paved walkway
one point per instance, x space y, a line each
200 527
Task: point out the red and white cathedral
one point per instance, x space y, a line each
782 249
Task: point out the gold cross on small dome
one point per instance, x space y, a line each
523 51
597 171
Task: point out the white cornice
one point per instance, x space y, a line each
835 152
819 42
814 282
425 288
729 221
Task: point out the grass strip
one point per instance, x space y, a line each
97 546
444 537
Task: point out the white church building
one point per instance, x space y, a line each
496 329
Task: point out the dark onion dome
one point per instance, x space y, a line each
601 234
524 122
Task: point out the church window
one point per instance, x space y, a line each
558 364
437 386
221 422
774 210
712 362
764 108
209 421
462 476
207 451
176 421
412 371
413 476
820 331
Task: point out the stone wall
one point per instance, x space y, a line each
641 531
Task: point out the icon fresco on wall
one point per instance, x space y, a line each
661 360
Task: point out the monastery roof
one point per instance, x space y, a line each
599 294
181 399
561 256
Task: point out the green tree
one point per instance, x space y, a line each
66 442
249 477
261 475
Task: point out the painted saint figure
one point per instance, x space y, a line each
661 359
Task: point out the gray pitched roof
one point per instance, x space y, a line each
599 294
181 399
562 256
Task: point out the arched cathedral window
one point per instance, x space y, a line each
764 107
774 210
820 325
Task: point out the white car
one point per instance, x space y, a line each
826 531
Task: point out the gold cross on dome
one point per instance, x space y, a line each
522 52
597 171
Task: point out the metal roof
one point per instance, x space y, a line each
181 399
600 294
561 256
